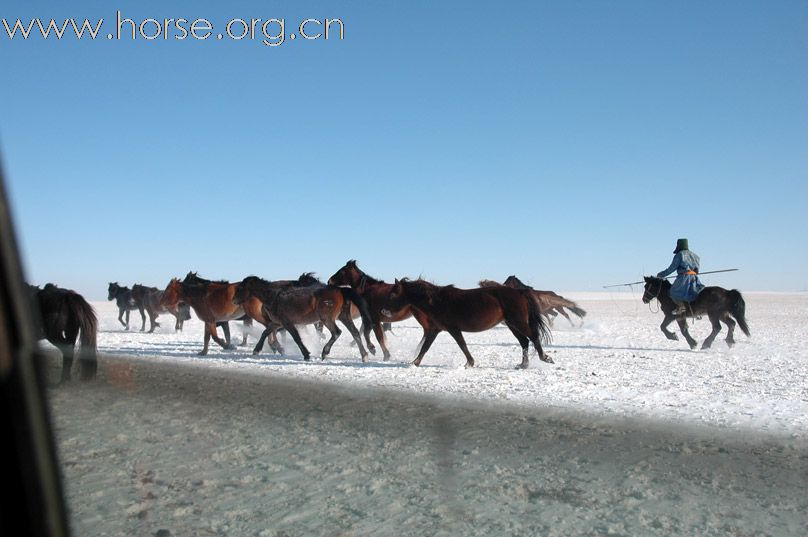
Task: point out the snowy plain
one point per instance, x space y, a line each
626 434
616 363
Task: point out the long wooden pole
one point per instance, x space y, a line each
668 277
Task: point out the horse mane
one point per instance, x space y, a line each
199 279
308 277
488 283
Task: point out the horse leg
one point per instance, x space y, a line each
550 315
716 329
143 319
127 319
664 327
225 330
335 332
378 329
427 340
524 342
349 324
458 337
247 322
120 317
260 344
67 351
563 312
682 322
292 329
152 321
223 343
318 326
731 329
204 350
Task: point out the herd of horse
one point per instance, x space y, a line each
349 294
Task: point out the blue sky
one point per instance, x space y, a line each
570 143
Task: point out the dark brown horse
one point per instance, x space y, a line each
300 305
123 299
63 314
148 299
474 310
377 295
551 303
211 301
717 303
251 294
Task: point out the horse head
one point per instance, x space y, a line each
172 294
112 290
246 288
349 274
653 288
412 291
516 283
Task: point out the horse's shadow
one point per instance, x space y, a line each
587 347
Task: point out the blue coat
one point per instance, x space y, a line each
687 286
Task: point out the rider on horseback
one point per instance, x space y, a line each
687 285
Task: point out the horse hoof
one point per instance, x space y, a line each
202 353
372 350
521 366
365 359
546 359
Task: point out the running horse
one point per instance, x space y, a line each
717 303
123 298
377 295
213 304
148 299
251 294
474 310
63 315
552 304
307 304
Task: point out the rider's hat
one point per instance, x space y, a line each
681 244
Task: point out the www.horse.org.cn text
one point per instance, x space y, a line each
271 32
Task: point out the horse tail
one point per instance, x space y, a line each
88 324
350 295
737 308
535 318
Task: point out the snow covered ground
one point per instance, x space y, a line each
626 434
617 363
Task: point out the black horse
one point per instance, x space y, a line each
126 303
63 314
715 302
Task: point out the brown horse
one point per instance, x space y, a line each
291 306
251 294
148 299
211 301
474 310
551 303
63 314
717 303
377 295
